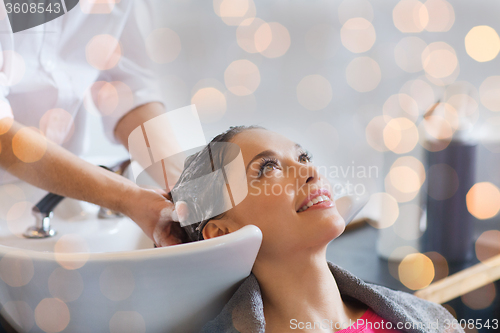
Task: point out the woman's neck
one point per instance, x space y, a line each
301 290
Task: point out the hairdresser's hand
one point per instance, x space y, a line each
156 216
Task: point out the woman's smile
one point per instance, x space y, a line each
317 199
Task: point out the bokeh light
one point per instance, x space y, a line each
117 282
410 16
127 321
448 113
322 41
16 269
103 52
272 40
414 163
401 105
483 200
314 92
57 125
363 74
52 315
416 271
489 92
387 206
482 43
435 133
233 12
66 285
263 37
488 245
421 92
375 133
490 134
163 45
441 15
400 135
463 105
71 251
358 35
442 181
245 34
441 269
349 9
105 96
210 104
439 60
242 77
480 298
405 178
408 54
29 144
438 127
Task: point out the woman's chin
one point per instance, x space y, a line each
337 226
331 229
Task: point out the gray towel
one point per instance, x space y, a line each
245 311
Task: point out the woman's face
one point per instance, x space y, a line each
282 185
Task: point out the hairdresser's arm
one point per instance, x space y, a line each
28 155
165 232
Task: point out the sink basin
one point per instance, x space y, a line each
99 275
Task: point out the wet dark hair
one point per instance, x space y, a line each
205 199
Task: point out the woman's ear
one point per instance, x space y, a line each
216 228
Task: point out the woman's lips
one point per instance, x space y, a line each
317 199
319 205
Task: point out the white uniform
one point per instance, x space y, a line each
46 72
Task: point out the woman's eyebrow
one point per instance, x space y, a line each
265 153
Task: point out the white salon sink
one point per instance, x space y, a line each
99 275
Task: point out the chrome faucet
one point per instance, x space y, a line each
43 213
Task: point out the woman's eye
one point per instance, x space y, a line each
267 167
304 158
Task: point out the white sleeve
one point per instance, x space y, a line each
6 64
133 76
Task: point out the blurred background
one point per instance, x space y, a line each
364 86
330 75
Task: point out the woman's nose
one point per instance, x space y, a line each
309 174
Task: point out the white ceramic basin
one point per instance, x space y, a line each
100 275
104 275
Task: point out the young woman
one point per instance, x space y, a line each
292 286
